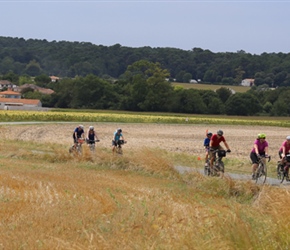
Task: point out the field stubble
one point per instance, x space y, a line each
50 200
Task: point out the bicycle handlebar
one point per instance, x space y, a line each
92 140
266 157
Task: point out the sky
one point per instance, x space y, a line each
219 26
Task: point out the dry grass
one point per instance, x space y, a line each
51 200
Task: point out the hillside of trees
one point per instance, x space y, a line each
69 59
122 78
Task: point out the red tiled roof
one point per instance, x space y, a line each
35 87
23 101
9 92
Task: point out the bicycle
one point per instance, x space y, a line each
92 144
207 168
119 149
283 169
260 175
218 164
78 147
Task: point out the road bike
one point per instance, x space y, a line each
283 169
218 164
260 175
119 149
92 144
78 147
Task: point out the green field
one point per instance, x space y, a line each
240 89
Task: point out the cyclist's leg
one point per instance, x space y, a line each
211 154
206 158
114 144
254 159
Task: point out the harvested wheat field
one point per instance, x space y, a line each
173 138
52 200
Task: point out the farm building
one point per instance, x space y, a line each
248 82
17 103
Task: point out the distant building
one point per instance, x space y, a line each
248 82
10 94
54 78
192 81
12 100
35 88
7 84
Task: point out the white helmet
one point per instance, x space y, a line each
288 138
81 126
91 128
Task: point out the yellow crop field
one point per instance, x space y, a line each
10 116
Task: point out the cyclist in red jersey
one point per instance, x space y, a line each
214 144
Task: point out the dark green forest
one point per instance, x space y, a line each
123 78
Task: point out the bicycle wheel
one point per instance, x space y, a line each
79 149
92 147
119 150
221 167
283 177
206 170
279 172
261 174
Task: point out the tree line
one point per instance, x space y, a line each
143 87
71 59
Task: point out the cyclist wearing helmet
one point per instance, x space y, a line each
92 135
214 144
285 148
117 136
260 148
206 144
78 133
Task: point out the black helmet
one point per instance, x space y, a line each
119 130
220 132
209 134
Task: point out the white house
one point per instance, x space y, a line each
248 82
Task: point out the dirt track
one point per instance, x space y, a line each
175 138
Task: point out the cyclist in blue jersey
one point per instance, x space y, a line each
117 137
78 133
206 145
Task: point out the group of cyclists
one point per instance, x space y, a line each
260 149
92 137
211 144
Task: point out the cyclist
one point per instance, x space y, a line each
78 133
117 137
284 150
260 148
206 145
92 135
214 144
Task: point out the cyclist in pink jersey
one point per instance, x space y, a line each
283 151
285 148
260 148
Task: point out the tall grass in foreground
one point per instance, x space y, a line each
50 200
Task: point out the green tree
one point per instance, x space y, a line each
242 104
33 68
224 94
187 77
42 80
147 86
